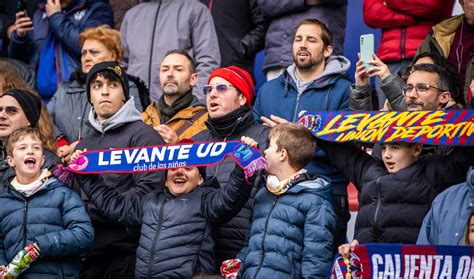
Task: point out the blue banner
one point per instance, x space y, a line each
451 127
162 157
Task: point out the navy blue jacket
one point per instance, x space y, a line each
66 26
329 92
291 235
392 205
448 218
177 234
55 218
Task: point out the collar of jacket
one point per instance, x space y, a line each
329 76
126 114
239 119
50 184
444 33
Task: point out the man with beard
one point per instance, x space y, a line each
316 81
427 88
177 114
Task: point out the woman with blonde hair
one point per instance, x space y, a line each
69 106
11 79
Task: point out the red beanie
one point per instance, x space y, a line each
239 78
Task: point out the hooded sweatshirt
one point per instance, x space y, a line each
328 92
123 130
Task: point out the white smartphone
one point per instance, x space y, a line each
367 49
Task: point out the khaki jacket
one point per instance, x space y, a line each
182 123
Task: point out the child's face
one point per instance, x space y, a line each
27 159
397 156
273 156
181 181
471 231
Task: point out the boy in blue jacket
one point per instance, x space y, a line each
38 209
178 222
293 222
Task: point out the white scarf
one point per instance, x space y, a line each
30 189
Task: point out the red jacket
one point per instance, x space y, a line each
404 23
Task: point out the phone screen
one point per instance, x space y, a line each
366 49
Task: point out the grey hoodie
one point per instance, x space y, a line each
335 65
126 114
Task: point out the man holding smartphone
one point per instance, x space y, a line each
49 39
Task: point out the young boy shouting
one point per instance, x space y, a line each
38 209
293 222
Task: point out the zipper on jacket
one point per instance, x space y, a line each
403 35
264 235
298 97
155 239
151 45
25 220
377 207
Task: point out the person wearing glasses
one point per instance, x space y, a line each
20 108
427 88
229 94
360 98
177 114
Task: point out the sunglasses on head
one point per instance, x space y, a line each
220 88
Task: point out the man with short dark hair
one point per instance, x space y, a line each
116 123
177 114
427 88
317 81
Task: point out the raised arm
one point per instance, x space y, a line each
348 158
219 206
124 208
68 32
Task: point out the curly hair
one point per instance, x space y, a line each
107 36
10 79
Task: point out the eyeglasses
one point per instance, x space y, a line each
10 110
220 88
420 88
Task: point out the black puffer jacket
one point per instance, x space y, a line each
177 232
392 205
240 29
231 236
